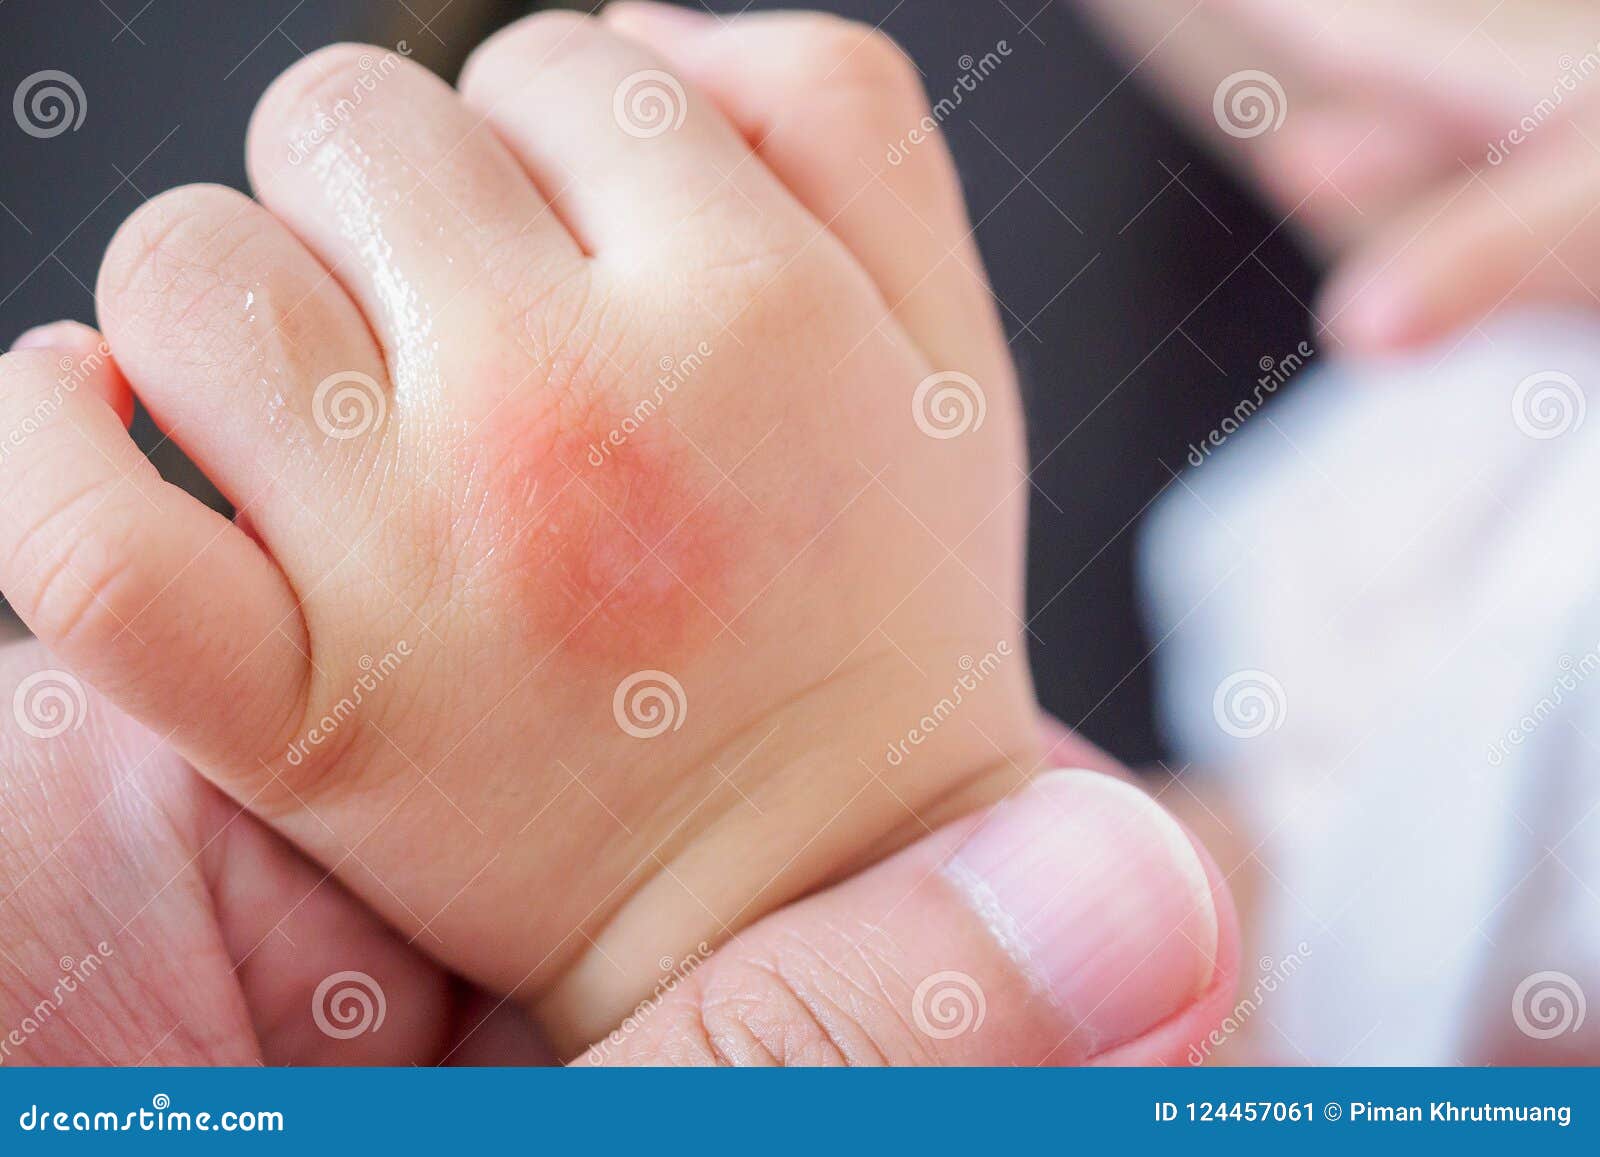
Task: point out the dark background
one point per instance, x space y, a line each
1077 179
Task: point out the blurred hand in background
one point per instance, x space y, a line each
1444 156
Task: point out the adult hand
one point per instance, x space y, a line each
149 920
1443 155
1457 147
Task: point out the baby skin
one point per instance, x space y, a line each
631 493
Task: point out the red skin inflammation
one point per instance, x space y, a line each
618 551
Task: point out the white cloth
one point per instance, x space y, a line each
1392 573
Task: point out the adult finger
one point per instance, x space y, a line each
1522 232
1073 923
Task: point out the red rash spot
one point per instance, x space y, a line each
617 547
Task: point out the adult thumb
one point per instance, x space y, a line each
1073 923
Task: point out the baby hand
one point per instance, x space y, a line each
633 494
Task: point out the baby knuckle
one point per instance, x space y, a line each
821 289
864 61
328 83
165 240
136 246
77 593
546 38
24 376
